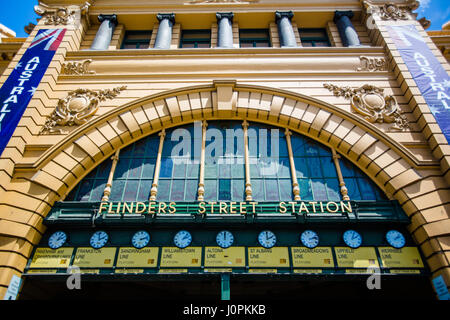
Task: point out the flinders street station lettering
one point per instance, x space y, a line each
219 207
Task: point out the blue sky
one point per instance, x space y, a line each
16 14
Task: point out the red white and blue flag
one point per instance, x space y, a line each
19 88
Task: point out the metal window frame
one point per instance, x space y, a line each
254 40
195 41
137 42
313 40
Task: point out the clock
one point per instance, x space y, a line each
182 239
57 239
224 239
99 239
310 239
395 239
352 238
140 239
267 239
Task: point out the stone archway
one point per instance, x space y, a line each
385 161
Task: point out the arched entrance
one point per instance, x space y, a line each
344 133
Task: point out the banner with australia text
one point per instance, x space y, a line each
19 88
431 78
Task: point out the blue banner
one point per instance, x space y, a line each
431 78
19 88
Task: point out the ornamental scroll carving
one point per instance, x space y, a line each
59 15
77 68
391 11
372 64
371 103
77 108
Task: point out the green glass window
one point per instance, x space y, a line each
91 188
195 39
224 161
269 164
137 39
134 171
316 173
314 38
254 38
270 171
180 164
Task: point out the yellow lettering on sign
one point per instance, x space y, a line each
219 257
362 257
143 258
49 258
318 257
407 257
176 257
274 257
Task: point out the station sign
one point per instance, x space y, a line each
229 257
50 258
94 258
320 257
176 257
362 257
270 258
225 208
135 258
407 257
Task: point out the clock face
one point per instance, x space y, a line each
99 239
182 239
57 239
140 239
310 239
224 239
267 239
395 239
352 238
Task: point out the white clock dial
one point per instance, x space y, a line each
182 239
57 239
267 239
395 239
140 239
310 239
352 238
224 239
99 239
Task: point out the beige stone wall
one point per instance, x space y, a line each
165 88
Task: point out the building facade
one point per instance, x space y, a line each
213 148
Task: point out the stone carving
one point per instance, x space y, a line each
77 108
59 15
372 64
391 11
370 102
77 68
424 22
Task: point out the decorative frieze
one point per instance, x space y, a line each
371 103
372 64
60 15
77 108
77 68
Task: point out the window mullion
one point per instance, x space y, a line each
344 191
201 182
154 189
107 191
248 183
295 186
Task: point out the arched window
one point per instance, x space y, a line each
270 175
